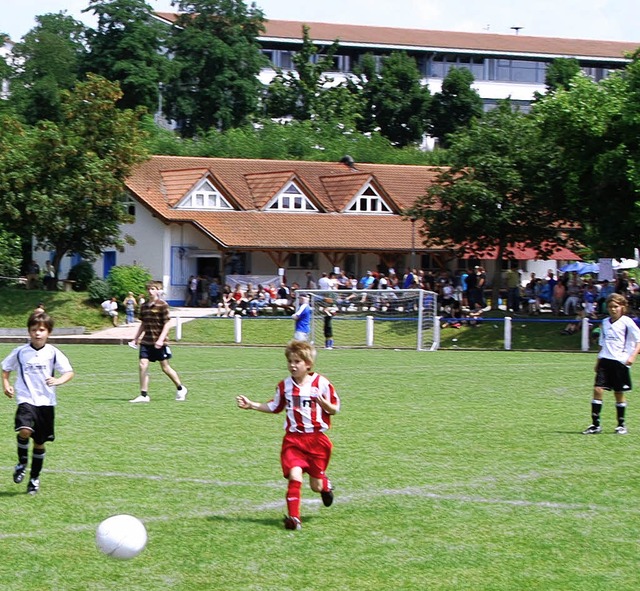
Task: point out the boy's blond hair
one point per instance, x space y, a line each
154 284
301 349
619 299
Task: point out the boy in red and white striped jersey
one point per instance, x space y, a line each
309 400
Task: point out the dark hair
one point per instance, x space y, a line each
40 318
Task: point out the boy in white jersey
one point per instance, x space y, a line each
619 345
309 400
36 364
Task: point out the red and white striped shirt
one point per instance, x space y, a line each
303 413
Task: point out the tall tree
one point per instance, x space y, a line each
494 195
455 106
77 169
304 92
395 101
216 61
560 72
595 127
126 48
45 63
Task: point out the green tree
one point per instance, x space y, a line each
77 170
455 106
394 100
493 196
308 92
126 47
216 61
44 64
560 73
595 128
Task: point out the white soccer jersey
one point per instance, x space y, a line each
618 339
33 367
303 413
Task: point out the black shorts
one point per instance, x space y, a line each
39 419
152 354
613 375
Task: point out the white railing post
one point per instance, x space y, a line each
237 328
585 334
178 327
369 331
507 333
436 334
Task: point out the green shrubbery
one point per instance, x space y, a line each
125 278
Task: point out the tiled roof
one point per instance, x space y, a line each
157 183
423 39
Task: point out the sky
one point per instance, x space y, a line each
614 20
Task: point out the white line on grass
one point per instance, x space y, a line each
368 495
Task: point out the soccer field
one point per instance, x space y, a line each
453 470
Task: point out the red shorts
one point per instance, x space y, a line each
309 451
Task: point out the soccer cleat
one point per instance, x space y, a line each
592 430
18 473
620 430
327 496
33 486
141 398
182 393
292 523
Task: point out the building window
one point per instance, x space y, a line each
303 260
206 196
291 198
367 202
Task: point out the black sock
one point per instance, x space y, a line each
621 407
37 459
143 393
23 451
596 408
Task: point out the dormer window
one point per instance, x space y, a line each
291 198
368 201
205 196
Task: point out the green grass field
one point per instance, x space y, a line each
454 470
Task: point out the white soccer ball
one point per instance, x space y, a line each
121 536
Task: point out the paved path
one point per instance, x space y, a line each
114 335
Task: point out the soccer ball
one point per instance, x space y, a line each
121 536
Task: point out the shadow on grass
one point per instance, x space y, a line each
267 522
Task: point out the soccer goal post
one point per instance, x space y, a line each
375 318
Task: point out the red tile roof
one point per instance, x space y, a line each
370 37
158 184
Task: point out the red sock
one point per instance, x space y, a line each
293 498
326 485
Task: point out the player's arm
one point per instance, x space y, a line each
328 406
62 379
6 386
244 403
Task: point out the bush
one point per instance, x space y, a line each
83 274
99 291
125 278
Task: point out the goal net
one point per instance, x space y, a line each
377 318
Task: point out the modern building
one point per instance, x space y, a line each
503 65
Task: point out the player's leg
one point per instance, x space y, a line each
596 409
172 374
37 461
143 368
22 437
621 407
294 490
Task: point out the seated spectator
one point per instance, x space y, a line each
110 308
259 303
240 301
606 289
